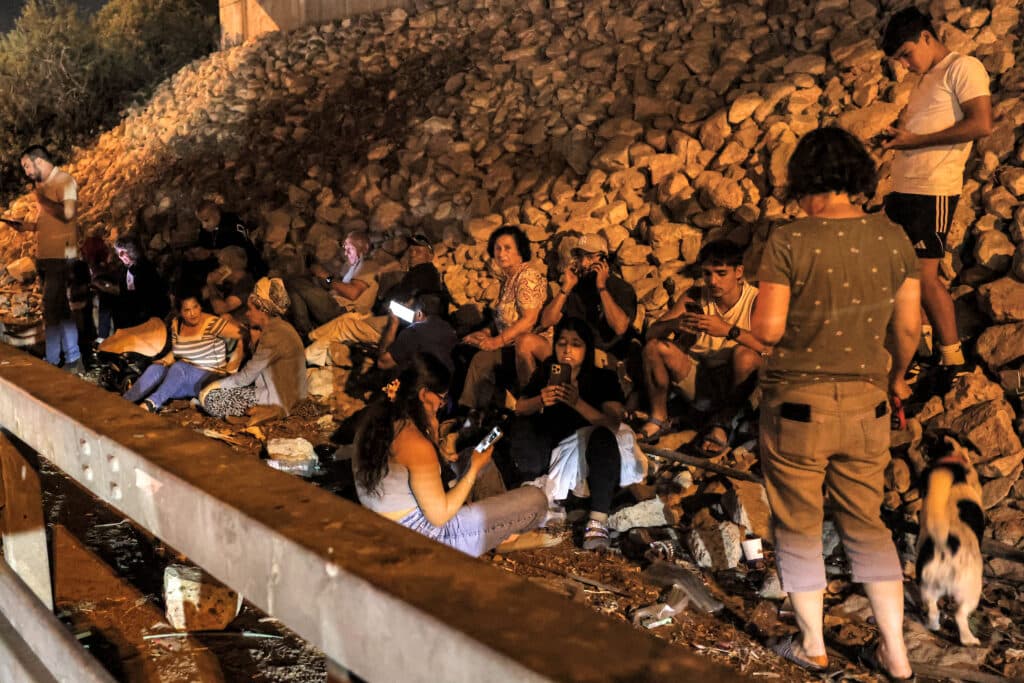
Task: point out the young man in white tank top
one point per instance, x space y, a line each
705 331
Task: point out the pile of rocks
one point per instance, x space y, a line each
654 123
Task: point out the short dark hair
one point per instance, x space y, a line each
905 25
430 304
522 241
208 205
131 243
721 253
36 152
831 160
185 293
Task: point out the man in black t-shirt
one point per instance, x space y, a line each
221 229
428 333
591 292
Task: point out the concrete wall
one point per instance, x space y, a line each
244 19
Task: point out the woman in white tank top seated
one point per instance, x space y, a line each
203 346
398 472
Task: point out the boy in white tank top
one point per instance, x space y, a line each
705 331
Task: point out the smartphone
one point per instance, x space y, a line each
559 374
694 307
489 440
402 312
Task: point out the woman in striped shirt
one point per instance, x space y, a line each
203 347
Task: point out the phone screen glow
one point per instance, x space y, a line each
402 312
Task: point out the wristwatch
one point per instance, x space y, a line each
734 333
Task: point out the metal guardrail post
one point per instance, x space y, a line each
34 645
21 522
381 600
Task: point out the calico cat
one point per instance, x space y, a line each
952 523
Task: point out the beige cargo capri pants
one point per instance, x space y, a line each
836 435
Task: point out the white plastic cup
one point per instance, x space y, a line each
752 549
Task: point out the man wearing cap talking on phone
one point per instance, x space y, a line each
591 292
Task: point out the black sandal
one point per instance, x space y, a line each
705 437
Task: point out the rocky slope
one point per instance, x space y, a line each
656 123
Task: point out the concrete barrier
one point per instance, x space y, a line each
381 600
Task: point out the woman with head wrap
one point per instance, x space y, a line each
275 376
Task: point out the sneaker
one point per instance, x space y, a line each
596 536
529 540
951 373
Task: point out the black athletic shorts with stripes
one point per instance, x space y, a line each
925 218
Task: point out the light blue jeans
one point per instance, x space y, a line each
481 526
163 383
61 333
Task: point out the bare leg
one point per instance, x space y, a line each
937 302
809 610
745 362
886 599
530 350
663 362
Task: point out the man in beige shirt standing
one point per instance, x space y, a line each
56 229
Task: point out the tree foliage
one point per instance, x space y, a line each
65 77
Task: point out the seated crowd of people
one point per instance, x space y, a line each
835 288
229 327
551 366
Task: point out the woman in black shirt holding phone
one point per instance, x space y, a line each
565 394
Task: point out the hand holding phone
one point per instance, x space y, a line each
569 394
402 312
489 440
